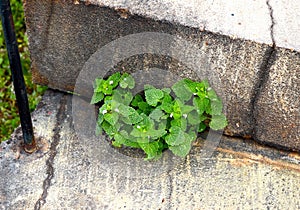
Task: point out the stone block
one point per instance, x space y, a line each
63 35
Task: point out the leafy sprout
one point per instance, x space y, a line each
153 120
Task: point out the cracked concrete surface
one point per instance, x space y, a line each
61 115
239 174
17 180
262 89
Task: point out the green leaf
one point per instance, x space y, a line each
167 91
132 143
107 88
212 95
216 107
167 104
116 144
130 113
118 140
193 118
109 129
138 133
107 98
121 138
100 117
134 116
125 120
176 110
218 122
122 96
97 97
152 149
191 136
201 104
127 81
205 83
156 114
146 108
163 124
181 150
176 136
147 86
99 85
153 96
111 118
203 117
181 122
156 134
114 79
182 91
191 85
198 88
185 109
124 132
146 123
145 130
137 98
105 108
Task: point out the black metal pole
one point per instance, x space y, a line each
17 75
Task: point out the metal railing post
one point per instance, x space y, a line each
17 75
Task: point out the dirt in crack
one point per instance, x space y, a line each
263 74
61 115
272 23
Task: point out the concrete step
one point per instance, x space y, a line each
73 42
260 21
76 170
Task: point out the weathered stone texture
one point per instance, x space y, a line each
63 35
278 108
71 172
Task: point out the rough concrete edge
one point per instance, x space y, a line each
125 10
123 14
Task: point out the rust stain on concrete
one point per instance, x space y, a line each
256 159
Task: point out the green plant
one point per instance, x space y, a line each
156 119
9 118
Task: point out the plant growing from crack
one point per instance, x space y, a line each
156 119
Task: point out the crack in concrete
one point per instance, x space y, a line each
271 11
263 74
49 162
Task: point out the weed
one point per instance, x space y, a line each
156 119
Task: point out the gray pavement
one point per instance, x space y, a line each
71 172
